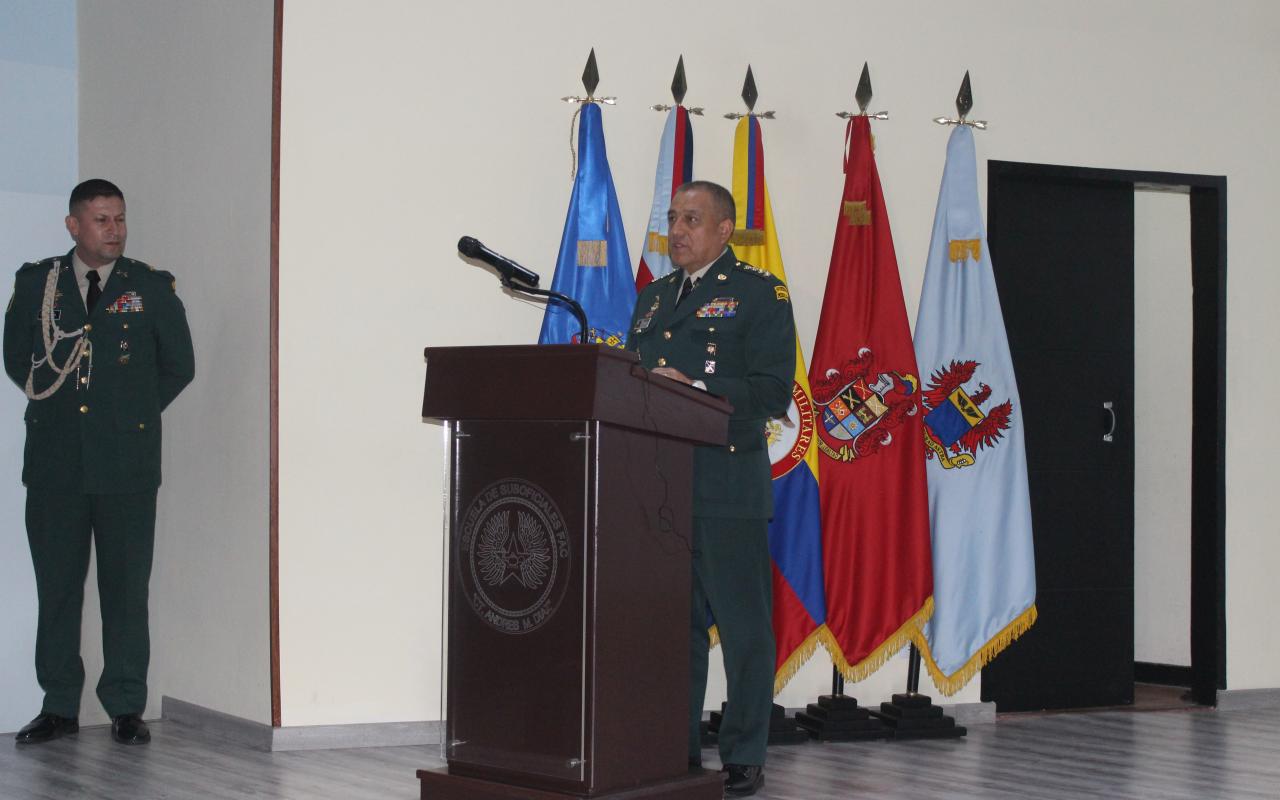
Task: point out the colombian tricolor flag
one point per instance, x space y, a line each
795 534
675 168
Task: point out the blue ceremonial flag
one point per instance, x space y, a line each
594 267
984 580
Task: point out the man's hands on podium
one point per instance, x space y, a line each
676 375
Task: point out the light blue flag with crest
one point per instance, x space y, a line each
984 581
593 267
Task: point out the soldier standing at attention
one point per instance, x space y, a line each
100 345
726 327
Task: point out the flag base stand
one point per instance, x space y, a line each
782 730
839 718
914 716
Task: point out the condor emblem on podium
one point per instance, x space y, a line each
513 556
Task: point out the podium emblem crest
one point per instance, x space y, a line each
513 556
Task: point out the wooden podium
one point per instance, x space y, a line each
569 534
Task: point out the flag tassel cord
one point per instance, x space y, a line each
573 151
909 632
950 684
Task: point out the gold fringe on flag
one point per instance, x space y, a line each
962 248
747 237
950 684
792 665
593 253
657 243
797 659
910 631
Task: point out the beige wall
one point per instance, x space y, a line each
407 124
175 106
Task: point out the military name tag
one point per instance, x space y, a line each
719 307
127 303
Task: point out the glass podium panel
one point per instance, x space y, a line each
515 606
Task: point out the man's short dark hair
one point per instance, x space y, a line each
721 198
91 190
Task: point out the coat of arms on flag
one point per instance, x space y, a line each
789 437
955 420
860 407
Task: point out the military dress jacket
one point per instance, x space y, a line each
735 333
99 433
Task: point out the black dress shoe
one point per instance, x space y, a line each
742 780
46 727
130 729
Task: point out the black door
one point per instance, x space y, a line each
1063 256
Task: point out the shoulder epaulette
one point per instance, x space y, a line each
43 263
153 272
759 273
162 275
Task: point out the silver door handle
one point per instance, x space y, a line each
1110 408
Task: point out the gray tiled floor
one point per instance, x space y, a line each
1191 754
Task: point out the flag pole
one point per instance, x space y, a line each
912 715
591 238
782 730
913 671
837 717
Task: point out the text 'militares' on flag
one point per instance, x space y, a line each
593 267
795 534
984 583
866 392
675 168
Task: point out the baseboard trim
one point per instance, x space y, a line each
254 735
970 714
260 736
1247 699
373 734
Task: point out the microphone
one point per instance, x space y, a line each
471 248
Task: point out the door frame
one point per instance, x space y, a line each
1208 218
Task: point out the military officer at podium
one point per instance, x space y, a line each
726 327
100 345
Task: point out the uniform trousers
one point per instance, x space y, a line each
60 526
732 575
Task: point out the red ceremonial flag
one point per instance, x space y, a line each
866 391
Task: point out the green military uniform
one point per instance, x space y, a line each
92 460
736 334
